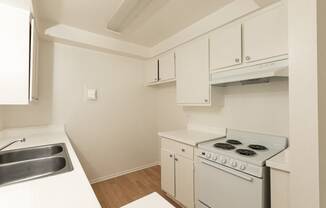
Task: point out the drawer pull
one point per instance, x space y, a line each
170 155
183 150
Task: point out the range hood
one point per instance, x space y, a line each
251 74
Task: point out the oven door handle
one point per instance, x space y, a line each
248 178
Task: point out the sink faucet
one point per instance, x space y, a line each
11 143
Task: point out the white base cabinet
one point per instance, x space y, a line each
167 172
184 177
279 189
177 171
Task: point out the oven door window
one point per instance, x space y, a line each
223 187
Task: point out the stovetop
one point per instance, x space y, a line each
250 147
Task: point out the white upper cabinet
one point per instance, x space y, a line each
160 69
14 53
167 67
192 72
18 56
33 94
225 47
151 74
265 35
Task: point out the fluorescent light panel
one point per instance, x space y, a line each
128 11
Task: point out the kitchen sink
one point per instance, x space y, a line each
33 163
29 153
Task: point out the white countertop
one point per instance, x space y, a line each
153 200
190 137
66 190
280 161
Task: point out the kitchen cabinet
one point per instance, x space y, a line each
33 93
167 66
177 171
184 177
279 188
258 38
265 34
18 68
192 73
160 69
151 74
225 47
167 171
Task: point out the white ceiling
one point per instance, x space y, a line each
147 29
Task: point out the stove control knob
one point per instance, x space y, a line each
242 167
214 157
234 164
223 160
208 155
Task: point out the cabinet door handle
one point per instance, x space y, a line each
171 155
183 150
158 69
206 100
237 60
176 159
248 58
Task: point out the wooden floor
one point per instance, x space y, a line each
119 191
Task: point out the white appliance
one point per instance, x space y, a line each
251 74
231 171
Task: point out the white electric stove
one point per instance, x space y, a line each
231 171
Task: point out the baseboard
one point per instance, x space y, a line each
114 175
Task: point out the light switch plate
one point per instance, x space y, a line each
91 94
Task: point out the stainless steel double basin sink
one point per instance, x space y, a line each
32 163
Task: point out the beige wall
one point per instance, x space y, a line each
262 108
113 134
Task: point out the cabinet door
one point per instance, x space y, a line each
151 74
184 181
225 47
265 35
14 53
167 172
33 94
279 189
192 70
167 67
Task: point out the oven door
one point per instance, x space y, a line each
223 187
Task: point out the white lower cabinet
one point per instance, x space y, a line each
279 189
177 171
184 177
167 172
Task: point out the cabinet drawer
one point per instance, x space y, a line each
185 150
178 148
169 144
